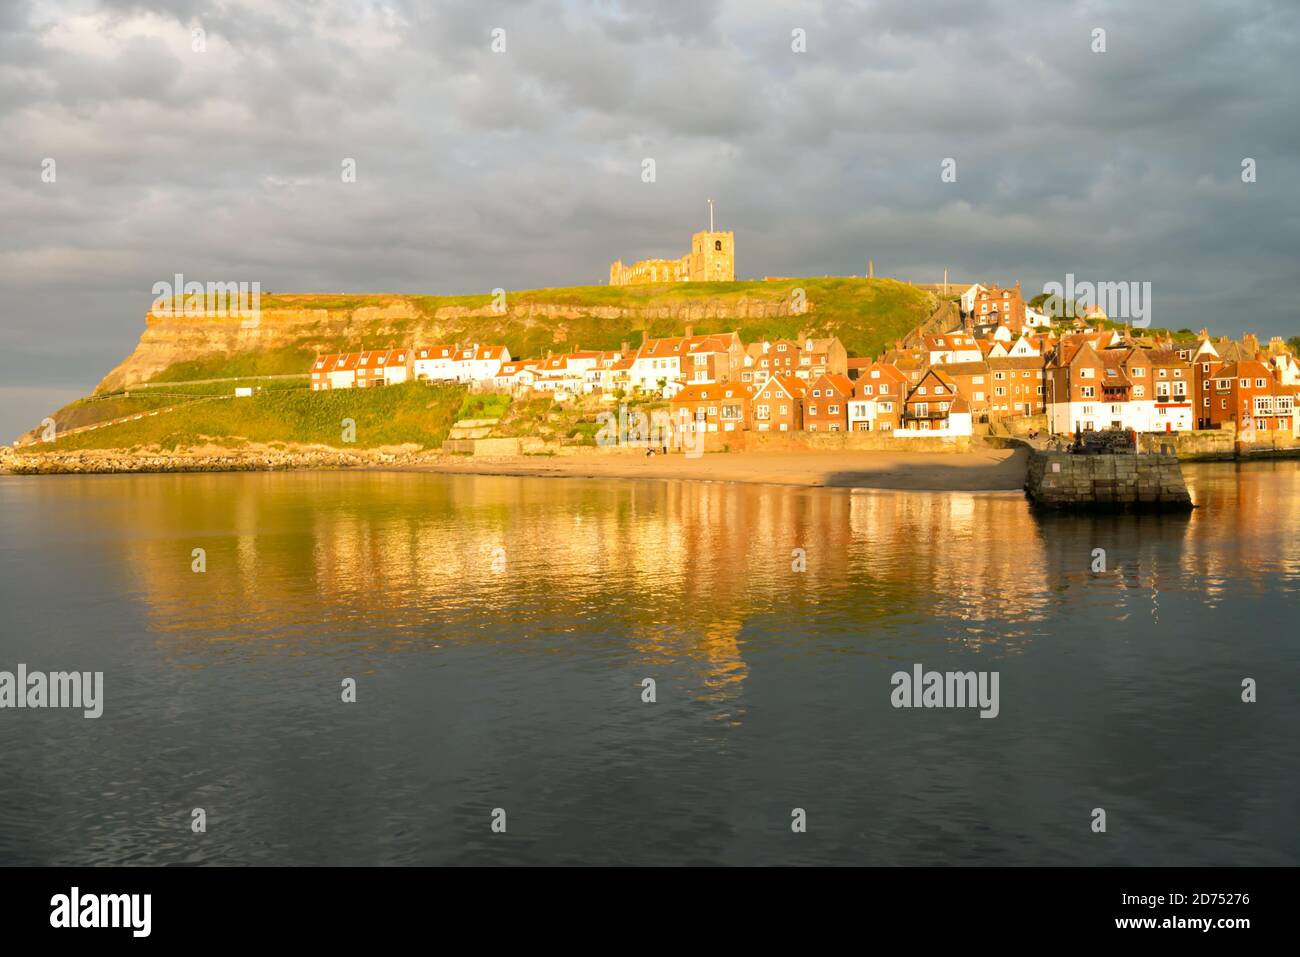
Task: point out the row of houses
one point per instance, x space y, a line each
943 384
1169 390
881 399
659 366
1108 378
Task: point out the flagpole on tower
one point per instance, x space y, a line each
710 215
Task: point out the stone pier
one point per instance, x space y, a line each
1120 482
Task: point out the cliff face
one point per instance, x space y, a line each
292 329
168 342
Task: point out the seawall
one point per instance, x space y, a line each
1121 482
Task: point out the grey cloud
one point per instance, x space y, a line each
523 169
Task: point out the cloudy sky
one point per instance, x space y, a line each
523 168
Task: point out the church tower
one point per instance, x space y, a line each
713 255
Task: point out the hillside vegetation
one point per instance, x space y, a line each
410 413
174 354
866 314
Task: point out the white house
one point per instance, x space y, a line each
952 347
478 363
968 297
435 363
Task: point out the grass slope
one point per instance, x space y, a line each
412 412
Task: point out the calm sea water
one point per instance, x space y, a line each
499 630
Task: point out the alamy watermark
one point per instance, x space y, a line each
58 689
1128 301
76 910
214 300
657 432
946 689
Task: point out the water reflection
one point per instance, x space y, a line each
500 630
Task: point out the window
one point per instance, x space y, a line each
717 245
979 396
833 410
1087 391
785 409
1085 373
1139 391
1139 373
977 380
1000 390
812 409
1164 373
1259 383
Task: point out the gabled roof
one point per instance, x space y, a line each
702 392
1003 363
792 385
1245 369
840 383
435 352
683 345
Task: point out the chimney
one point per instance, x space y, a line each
624 347
644 338
767 347
690 330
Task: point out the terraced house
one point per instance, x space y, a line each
778 403
826 404
877 403
360 370
687 359
934 406
720 407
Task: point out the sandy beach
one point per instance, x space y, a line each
981 470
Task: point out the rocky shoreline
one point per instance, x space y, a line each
103 461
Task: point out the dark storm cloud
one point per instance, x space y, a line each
522 169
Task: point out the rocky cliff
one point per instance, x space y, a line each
291 329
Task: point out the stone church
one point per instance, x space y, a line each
712 259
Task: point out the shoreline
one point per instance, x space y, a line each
977 470
984 470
